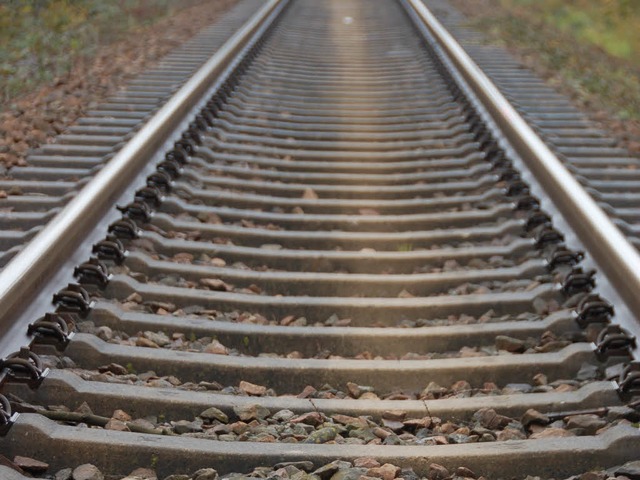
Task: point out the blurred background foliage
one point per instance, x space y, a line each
591 47
613 25
40 39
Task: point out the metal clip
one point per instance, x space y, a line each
93 272
7 417
74 299
200 122
536 219
225 89
185 145
517 188
561 255
151 195
508 174
546 235
498 161
489 145
160 180
25 366
206 118
614 341
527 203
491 150
52 326
177 154
214 105
480 133
110 248
137 211
192 135
578 281
594 309
124 228
170 167
629 380
471 117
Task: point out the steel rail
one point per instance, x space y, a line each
613 253
28 271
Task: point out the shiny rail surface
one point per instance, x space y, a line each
336 272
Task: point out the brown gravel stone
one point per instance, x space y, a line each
121 415
488 418
533 416
540 379
592 476
565 388
145 342
394 415
347 420
116 425
216 284
369 396
510 344
424 422
356 390
551 432
386 471
510 434
589 423
464 472
84 408
205 474
366 462
251 412
311 418
144 474
213 413
310 194
381 433
30 464
307 392
252 389
216 348
64 474
437 472
87 472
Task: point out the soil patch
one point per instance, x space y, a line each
38 116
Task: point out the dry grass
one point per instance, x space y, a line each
588 49
41 39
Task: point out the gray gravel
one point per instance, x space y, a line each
364 468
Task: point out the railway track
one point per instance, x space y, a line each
333 257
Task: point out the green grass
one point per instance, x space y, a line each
41 39
612 25
594 46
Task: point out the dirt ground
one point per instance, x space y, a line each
37 117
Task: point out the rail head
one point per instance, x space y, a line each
24 276
614 254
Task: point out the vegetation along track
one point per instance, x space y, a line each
341 268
